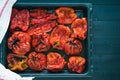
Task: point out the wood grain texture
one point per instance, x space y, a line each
106 47
106 12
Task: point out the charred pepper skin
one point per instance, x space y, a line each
39 28
40 42
73 47
79 27
65 15
20 21
19 43
36 61
76 64
17 62
59 36
55 62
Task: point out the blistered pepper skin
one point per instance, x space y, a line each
76 64
17 62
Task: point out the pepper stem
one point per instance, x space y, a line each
56 44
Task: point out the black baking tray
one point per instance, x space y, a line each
82 10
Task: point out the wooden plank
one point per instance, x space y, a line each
107 28
106 48
106 76
106 36
106 59
106 12
105 2
106 67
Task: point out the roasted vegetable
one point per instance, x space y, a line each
55 62
41 21
20 21
73 47
38 13
19 43
41 42
65 15
38 28
76 64
80 28
17 62
36 61
59 36
44 19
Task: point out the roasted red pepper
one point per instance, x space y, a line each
36 61
38 28
65 15
76 64
55 62
41 42
20 21
59 36
80 28
73 47
17 62
40 16
19 43
44 19
38 13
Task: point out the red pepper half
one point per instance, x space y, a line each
17 62
59 36
80 28
55 62
73 47
66 15
41 42
20 21
76 64
19 43
36 61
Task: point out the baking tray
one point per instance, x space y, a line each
82 10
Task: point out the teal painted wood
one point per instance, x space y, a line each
106 24
108 2
106 12
106 50
106 37
104 2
